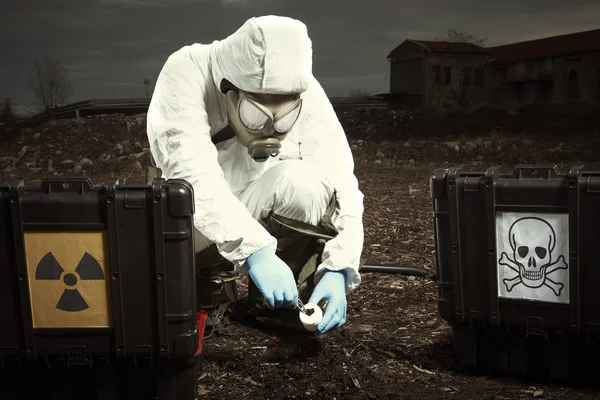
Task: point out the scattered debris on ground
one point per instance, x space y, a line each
394 344
116 145
380 123
109 145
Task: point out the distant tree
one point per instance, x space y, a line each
8 112
358 95
457 36
147 85
8 122
50 83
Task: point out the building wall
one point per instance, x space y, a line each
407 77
455 80
577 78
497 91
522 82
407 80
406 69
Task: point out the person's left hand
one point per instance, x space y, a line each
331 287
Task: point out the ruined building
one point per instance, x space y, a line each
437 74
551 70
448 75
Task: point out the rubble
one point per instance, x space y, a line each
106 146
548 120
117 146
502 150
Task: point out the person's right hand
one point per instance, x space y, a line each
273 278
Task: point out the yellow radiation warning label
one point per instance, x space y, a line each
69 279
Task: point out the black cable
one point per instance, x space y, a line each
399 269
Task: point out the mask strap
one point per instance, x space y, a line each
226 86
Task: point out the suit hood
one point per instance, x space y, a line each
268 54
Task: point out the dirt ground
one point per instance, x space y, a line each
394 345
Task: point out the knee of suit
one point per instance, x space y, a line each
303 192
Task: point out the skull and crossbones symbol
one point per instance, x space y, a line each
532 241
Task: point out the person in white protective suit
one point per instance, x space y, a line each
283 179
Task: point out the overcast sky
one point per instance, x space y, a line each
110 46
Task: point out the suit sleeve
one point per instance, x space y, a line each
179 134
324 143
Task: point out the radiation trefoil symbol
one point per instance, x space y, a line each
532 241
87 269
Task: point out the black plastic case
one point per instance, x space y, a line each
517 267
98 278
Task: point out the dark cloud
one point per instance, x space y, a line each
110 46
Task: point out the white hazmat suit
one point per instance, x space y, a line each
232 190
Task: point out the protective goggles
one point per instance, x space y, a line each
256 118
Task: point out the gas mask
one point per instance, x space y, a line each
261 122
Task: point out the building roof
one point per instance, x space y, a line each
443 47
547 47
452 46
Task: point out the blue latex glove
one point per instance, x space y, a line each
331 287
273 278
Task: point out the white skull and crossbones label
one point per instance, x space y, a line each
532 256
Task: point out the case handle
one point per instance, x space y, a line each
539 171
66 185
